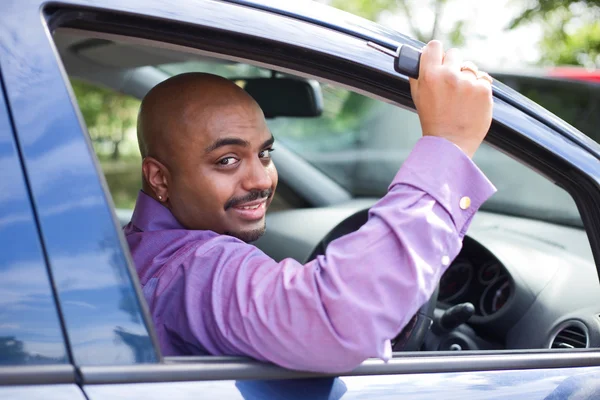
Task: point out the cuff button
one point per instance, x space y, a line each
465 202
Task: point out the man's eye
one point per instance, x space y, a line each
227 161
266 153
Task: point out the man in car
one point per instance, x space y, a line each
208 181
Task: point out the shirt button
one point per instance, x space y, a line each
465 202
445 261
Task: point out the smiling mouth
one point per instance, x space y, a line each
251 211
250 207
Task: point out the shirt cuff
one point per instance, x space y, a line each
442 170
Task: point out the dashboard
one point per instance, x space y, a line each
477 277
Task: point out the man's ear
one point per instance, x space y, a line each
156 175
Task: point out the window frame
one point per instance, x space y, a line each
359 68
209 368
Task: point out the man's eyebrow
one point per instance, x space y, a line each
227 141
268 142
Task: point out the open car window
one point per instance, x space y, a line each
527 248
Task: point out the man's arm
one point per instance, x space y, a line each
334 312
343 307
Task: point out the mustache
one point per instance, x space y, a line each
251 196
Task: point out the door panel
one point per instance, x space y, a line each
529 384
42 392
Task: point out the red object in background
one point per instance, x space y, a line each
576 73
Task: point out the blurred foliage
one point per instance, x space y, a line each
109 115
374 9
543 8
124 179
581 47
369 9
571 30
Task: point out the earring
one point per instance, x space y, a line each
160 197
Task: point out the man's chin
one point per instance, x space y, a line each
249 235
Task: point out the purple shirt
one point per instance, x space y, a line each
214 294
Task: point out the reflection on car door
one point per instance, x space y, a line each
32 346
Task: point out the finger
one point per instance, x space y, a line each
432 55
484 84
453 58
413 87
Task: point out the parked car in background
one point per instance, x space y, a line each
73 322
572 93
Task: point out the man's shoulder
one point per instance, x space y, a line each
221 244
155 251
186 244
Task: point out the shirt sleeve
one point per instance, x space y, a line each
344 307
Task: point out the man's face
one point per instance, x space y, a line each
223 178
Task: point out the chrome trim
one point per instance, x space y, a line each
233 368
36 375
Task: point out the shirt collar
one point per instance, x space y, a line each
150 215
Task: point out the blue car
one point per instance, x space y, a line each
516 316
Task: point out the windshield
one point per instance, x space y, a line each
361 143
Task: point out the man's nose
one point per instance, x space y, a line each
257 177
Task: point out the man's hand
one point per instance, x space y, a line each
453 98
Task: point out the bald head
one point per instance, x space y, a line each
206 154
169 108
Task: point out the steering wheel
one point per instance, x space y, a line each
413 334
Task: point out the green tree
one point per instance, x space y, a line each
374 9
571 30
109 115
543 8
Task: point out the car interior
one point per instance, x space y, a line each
525 277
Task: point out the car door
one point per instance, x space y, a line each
109 333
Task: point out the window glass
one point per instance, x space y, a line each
30 331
